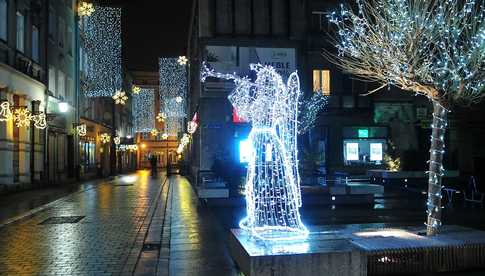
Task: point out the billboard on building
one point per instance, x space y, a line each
235 59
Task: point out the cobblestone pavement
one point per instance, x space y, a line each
115 217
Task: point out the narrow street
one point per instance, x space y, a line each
134 224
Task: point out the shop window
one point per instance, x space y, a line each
20 31
364 151
87 151
52 23
52 80
3 19
321 81
35 43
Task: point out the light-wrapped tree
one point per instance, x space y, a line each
434 48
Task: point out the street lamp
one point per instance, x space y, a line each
63 107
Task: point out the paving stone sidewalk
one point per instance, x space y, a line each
113 221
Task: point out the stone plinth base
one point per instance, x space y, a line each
309 257
366 249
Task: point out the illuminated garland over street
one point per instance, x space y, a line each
431 48
143 109
273 183
103 50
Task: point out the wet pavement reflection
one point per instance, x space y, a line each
98 244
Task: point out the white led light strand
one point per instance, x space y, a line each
310 109
103 50
143 109
431 48
273 183
173 93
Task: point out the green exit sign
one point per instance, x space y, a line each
363 133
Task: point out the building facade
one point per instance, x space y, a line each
353 133
37 72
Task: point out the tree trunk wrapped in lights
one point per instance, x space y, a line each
431 48
273 183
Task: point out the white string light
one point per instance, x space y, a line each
310 109
173 92
273 183
432 48
103 50
143 109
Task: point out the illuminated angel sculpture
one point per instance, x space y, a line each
272 184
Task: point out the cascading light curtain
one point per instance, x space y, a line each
143 109
102 44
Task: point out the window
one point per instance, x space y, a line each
52 23
61 32
69 39
61 84
321 81
69 89
35 43
3 19
20 31
81 53
52 80
320 22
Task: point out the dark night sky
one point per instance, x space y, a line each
152 29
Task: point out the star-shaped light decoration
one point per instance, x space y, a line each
81 130
178 99
120 97
21 117
117 140
135 89
104 138
164 136
161 117
85 8
182 60
154 132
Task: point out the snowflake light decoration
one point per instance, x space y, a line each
273 183
103 51
135 89
39 120
161 117
120 97
85 8
117 140
182 60
154 132
5 112
105 138
164 136
22 117
143 109
81 130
